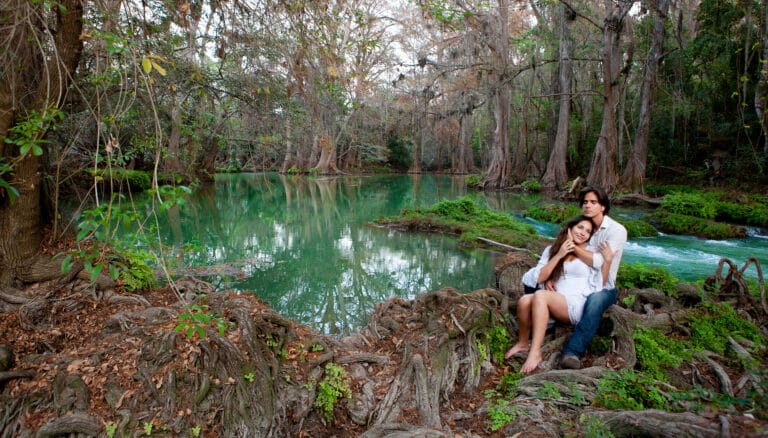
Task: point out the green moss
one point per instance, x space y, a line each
657 353
473 180
498 342
137 180
553 214
712 324
628 390
639 276
682 224
465 218
638 228
689 204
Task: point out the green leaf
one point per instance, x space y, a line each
96 271
67 264
200 331
13 194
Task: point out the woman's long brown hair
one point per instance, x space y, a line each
560 239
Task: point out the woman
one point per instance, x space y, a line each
573 280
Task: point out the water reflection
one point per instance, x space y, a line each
304 246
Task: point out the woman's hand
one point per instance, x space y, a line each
566 248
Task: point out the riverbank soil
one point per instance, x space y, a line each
100 362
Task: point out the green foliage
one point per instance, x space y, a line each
638 228
594 427
138 275
629 301
639 276
658 353
548 391
5 187
28 134
249 377
335 384
531 185
682 224
743 213
501 411
498 342
553 214
137 180
700 399
171 196
712 323
628 390
507 385
400 156
148 426
689 204
294 171
196 431
473 180
110 429
197 317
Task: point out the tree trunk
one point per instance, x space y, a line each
634 174
40 88
499 171
602 171
557 174
761 90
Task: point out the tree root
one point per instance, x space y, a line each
658 424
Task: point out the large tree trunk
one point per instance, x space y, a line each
499 171
602 171
634 174
28 86
761 90
557 174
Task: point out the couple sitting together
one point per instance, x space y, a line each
574 282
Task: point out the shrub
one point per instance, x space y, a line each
335 384
639 276
531 185
690 204
628 390
658 353
473 180
638 228
553 214
712 324
682 224
139 275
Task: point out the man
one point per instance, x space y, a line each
595 204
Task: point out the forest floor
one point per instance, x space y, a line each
103 362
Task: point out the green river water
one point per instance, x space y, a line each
306 245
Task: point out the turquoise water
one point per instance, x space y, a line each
307 247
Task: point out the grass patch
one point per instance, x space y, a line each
639 276
467 219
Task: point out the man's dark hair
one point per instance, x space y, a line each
602 197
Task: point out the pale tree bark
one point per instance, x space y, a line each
33 79
556 174
634 174
761 90
499 170
420 125
602 171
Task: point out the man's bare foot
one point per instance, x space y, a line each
531 363
517 348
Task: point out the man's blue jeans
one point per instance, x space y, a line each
585 330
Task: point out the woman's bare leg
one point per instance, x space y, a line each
523 326
545 303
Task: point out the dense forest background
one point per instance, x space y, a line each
520 92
